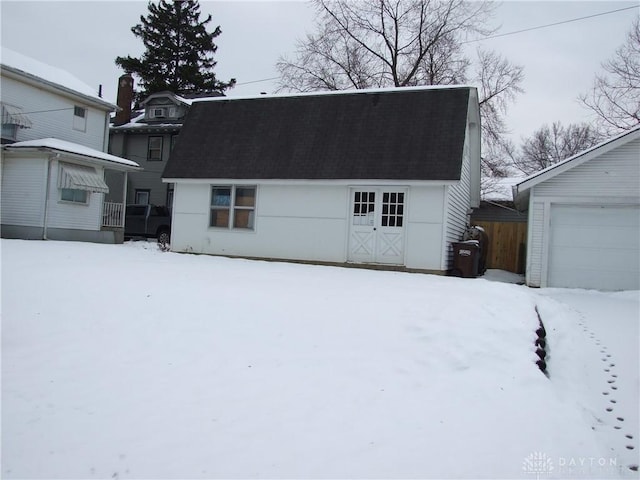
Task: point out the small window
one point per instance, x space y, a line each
80 118
364 204
9 131
73 195
392 209
142 197
233 207
155 149
158 113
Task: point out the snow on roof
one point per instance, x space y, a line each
48 73
69 147
333 92
499 189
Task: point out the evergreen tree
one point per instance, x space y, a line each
179 50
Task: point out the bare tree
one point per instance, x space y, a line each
381 43
499 82
384 43
551 144
615 95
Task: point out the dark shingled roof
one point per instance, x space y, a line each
403 134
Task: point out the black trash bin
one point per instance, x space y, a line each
466 256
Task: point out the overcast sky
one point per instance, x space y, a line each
84 37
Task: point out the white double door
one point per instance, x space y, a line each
377 225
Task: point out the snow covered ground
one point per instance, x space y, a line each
127 362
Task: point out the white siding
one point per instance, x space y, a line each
24 182
614 174
424 233
292 222
458 204
23 191
52 115
73 216
302 222
611 179
535 243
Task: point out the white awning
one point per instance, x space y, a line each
14 116
79 177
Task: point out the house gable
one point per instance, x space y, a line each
615 173
583 217
612 163
326 136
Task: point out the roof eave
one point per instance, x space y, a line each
77 156
302 181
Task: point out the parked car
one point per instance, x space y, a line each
148 221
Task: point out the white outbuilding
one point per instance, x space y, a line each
584 218
374 177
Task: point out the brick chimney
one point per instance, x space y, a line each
125 98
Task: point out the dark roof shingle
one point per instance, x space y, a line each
404 134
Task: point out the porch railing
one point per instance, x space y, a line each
112 214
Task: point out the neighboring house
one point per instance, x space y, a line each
584 218
147 136
367 177
54 134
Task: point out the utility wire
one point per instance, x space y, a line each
499 35
258 81
47 111
550 25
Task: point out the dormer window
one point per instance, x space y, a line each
158 112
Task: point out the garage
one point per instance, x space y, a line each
594 247
583 218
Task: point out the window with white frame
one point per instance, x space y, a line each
142 196
74 195
80 118
154 153
233 206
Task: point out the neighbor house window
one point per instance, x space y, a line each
79 118
9 131
142 197
155 149
73 195
233 207
12 120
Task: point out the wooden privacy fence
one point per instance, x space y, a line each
507 245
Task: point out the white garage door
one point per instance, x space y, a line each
594 247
